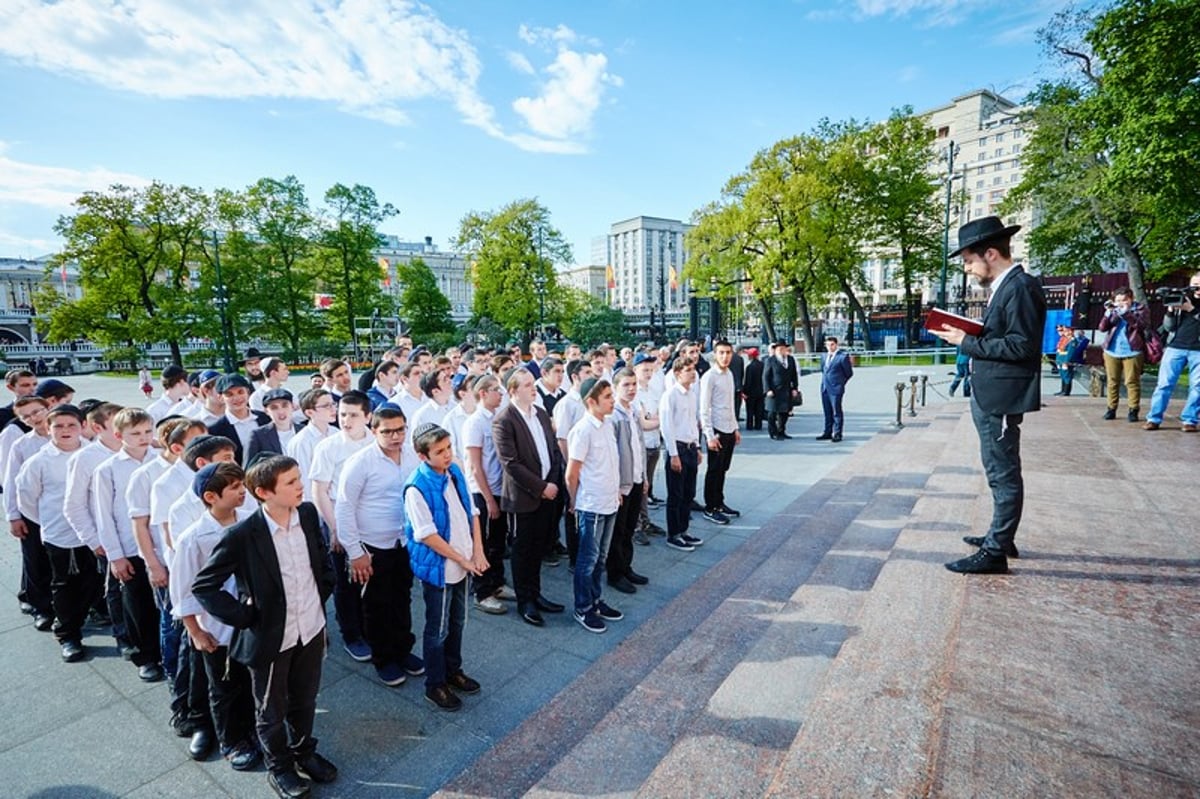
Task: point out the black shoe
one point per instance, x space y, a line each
244 756
531 616
1060 394
982 562
316 768
623 585
42 622
824 437
1133 416
288 785
73 652
608 613
202 744
546 606
1110 414
443 697
550 559
730 512
696 506
716 517
785 437
151 672
977 541
692 540
462 683
559 549
654 529
641 538
635 578
27 608
677 542
836 437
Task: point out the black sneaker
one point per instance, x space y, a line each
413 665
677 542
288 784
1110 414
73 651
654 529
716 517
443 697
1133 416
608 613
591 621
692 540
730 512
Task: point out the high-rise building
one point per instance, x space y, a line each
646 255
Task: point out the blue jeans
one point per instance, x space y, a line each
1168 375
445 617
595 534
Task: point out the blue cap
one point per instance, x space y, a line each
208 374
642 357
227 382
200 481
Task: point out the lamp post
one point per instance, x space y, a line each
951 150
222 301
539 283
662 286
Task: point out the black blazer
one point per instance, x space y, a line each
522 486
266 439
781 379
1006 360
738 367
259 611
752 382
223 427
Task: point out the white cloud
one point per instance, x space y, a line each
908 74
54 186
367 57
519 62
13 245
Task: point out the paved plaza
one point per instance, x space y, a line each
814 647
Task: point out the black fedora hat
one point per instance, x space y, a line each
252 354
977 231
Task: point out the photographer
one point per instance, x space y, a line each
1124 351
1184 348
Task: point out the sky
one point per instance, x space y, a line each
602 110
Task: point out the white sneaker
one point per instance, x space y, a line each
505 593
491 605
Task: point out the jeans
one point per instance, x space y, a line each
1168 375
445 617
1000 450
169 632
595 535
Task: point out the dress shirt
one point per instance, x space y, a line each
567 413
461 526
593 443
649 396
243 427
78 503
159 408
331 455
21 450
454 425
408 403
8 436
192 550
301 448
542 388
305 617
370 503
997 281
202 414
430 412
41 487
137 498
677 413
188 509
716 403
173 484
109 508
539 438
477 432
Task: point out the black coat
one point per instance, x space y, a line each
1006 358
752 382
247 553
224 427
266 439
738 367
782 379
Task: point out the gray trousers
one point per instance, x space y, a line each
1000 450
652 456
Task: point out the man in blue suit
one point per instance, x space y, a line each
836 371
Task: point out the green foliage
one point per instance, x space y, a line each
422 304
588 321
509 248
349 240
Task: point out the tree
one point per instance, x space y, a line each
1110 167
593 321
422 303
508 248
350 239
135 249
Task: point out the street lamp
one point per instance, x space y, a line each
951 151
539 283
222 301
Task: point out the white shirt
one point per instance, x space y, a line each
593 443
477 433
454 425
109 508
21 450
331 455
302 447
408 403
78 503
677 414
370 505
187 509
650 397
165 491
243 428
41 486
202 414
137 498
429 412
567 412
716 402
558 394
159 408
305 617
193 547
539 438
461 526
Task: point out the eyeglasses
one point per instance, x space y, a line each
29 417
394 431
325 406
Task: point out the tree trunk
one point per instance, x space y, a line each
856 309
805 320
176 352
768 318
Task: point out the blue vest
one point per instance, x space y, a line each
428 565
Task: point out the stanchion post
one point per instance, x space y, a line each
924 381
912 396
899 403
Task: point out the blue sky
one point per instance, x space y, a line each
602 110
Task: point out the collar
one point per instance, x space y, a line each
236 421
591 417
273 528
55 452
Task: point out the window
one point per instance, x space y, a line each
996 180
999 152
943 132
982 155
978 198
1017 134
999 138
1016 149
997 167
979 184
983 141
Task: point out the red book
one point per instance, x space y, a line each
937 317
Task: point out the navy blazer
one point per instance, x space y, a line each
257 614
835 376
1006 359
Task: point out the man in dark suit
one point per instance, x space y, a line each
836 371
1006 380
752 387
239 421
533 478
738 367
781 386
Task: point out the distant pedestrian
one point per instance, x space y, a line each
752 388
1126 322
781 385
145 382
836 371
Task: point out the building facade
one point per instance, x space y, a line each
451 270
647 255
591 279
20 281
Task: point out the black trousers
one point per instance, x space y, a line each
620 550
533 534
285 703
1000 451
229 697
73 583
777 422
494 533
35 569
570 527
107 599
755 411
681 488
347 600
141 614
387 606
199 714
718 466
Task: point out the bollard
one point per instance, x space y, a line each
912 396
924 381
899 403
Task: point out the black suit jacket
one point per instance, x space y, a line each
1006 358
522 487
247 553
223 427
266 439
738 367
752 381
781 379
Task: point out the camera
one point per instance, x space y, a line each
1172 296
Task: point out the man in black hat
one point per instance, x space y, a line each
252 366
781 387
1006 380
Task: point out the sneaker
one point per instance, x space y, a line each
73 651
730 512
391 674
591 621
716 517
641 538
550 560
360 650
1133 416
443 697
506 593
608 613
42 622
677 542
151 672
413 665
691 539
244 756
1110 414
654 529
1188 427
462 683
489 604
654 502
696 506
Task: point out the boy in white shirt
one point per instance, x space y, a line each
320 408
31 413
484 480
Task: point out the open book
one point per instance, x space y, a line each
937 317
